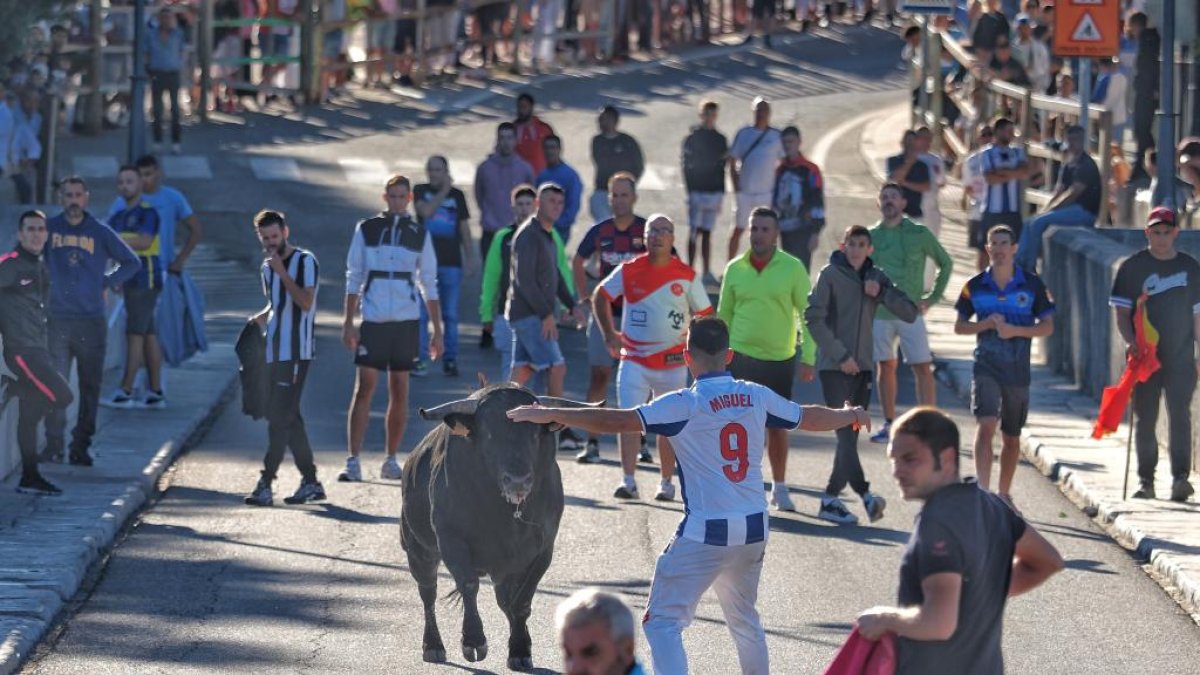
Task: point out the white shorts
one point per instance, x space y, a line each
745 203
703 209
914 340
637 384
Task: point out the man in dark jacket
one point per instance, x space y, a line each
705 152
78 256
24 293
840 317
1145 86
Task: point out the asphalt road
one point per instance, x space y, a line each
204 583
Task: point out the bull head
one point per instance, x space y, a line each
457 415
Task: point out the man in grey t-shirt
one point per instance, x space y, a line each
753 156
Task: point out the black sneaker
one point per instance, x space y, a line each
590 454
80 458
1146 491
450 368
261 496
1181 489
644 455
38 486
307 492
569 440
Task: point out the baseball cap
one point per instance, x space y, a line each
1161 215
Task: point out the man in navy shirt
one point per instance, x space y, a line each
78 254
910 173
968 553
1011 307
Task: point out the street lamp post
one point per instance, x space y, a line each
1166 111
137 88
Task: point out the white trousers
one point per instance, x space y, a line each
683 572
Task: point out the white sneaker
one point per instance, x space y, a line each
781 500
119 399
390 469
835 511
352 473
665 493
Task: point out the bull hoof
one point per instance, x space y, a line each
521 663
434 656
475 654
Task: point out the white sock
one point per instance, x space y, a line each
629 483
665 482
779 487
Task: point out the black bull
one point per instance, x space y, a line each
484 495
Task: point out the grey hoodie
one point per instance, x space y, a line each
840 315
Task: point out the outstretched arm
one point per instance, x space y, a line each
594 420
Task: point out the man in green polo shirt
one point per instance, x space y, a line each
902 250
763 297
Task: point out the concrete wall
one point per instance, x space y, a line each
10 456
1080 265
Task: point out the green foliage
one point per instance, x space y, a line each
19 16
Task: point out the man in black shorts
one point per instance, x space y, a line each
391 257
968 553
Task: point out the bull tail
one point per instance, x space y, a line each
453 598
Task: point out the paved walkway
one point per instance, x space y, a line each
1057 439
50 543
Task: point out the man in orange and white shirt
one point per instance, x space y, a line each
662 294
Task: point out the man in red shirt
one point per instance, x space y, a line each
531 131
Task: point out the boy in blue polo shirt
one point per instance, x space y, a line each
1011 307
138 225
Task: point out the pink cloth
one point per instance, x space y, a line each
860 656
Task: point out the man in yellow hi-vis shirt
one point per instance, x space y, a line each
763 297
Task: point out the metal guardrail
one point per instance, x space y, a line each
984 97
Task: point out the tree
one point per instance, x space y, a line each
19 16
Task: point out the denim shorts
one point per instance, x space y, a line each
530 348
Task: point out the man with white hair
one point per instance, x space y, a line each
596 631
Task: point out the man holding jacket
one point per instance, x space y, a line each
840 318
78 254
24 292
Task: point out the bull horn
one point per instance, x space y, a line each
557 402
463 406
482 379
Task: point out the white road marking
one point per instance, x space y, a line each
275 168
95 166
186 167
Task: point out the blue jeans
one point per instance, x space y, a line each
1030 246
449 282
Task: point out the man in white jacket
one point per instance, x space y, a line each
1032 53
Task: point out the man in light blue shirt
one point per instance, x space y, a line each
8 190
559 172
164 64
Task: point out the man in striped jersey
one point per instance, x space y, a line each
1004 167
289 277
718 430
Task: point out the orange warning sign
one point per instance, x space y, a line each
1087 28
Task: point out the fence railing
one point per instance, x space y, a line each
977 96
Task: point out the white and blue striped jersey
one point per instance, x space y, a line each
1002 197
290 334
718 429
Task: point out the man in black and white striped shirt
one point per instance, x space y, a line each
289 277
1004 167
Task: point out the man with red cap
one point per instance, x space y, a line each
1167 281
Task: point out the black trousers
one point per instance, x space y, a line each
165 82
39 389
1178 382
83 342
839 388
698 14
285 425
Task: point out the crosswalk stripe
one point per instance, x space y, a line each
275 168
95 166
364 172
659 177
186 167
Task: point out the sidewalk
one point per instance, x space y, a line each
50 543
1057 439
